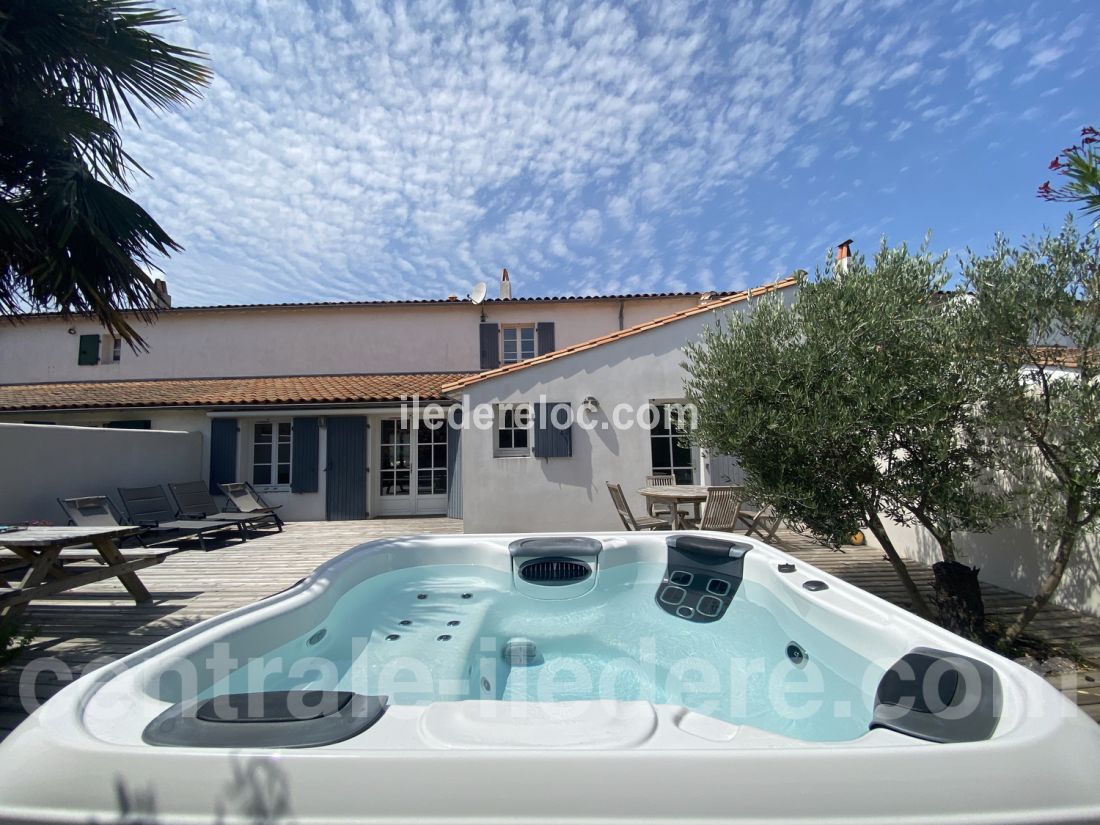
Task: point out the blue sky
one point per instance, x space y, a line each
351 150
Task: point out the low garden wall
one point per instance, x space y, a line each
41 463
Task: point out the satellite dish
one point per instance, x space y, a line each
478 293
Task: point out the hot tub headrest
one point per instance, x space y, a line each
273 719
707 546
939 696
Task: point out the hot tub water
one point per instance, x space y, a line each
450 632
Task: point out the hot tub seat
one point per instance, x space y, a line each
273 719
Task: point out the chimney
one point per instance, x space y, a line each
843 254
505 286
160 294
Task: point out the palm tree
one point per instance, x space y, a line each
70 72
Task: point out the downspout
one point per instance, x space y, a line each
622 307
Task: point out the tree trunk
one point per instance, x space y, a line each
946 541
958 596
1067 539
916 599
958 599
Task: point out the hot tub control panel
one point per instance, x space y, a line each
701 577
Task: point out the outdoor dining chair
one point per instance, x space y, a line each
721 509
630 521
247 500
658 509
764 522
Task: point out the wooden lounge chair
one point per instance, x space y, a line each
630 521
247 500
193 500
722 507
99 511
149 506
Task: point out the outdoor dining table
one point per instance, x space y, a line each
43 548
675 495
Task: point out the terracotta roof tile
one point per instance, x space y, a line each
216 392
446 302
465 381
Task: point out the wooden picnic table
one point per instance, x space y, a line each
675 495
44 549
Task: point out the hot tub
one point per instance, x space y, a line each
618 677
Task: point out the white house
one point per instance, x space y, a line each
619 390
302 400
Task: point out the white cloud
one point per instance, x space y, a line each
368 150
1005 37
806 155
588 227
899 129
1046 55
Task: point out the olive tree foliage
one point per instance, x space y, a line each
71 72
1038 322
853 403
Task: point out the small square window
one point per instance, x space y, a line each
513 430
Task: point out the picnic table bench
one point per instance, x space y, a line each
46 551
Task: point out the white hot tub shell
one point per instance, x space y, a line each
994 743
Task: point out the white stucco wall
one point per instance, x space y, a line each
525 494
43 463
317 341
1015 558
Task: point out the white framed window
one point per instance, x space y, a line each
517 343
395 458
512 430
431 458
115 354
271 453
671 454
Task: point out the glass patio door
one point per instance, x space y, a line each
412 468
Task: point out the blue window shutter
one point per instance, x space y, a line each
89 350
306 440
454 467
490 346
553 439
545 333
223 452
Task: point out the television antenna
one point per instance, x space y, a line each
477 295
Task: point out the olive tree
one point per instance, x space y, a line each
855 404
1038 324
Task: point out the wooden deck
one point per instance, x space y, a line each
85 627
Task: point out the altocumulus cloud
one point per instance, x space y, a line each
350 150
